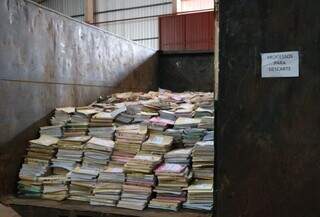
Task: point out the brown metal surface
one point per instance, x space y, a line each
268 129
187 32
48 60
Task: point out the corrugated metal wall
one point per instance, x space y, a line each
119 17
73 8
187 32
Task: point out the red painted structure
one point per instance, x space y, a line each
187 32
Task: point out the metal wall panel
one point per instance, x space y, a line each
199 31
187 32
172 32
67 7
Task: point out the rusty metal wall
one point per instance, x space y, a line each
187 32
268 130
48 60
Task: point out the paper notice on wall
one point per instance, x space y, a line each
280 64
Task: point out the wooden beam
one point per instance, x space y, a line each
89 10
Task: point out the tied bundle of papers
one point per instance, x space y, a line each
206 123
105 119
202 112
36 164
177 137
202 160
183 123
158 144
82 183
192 135
179 156
97 153
172 178
128 142
55 131
158 125
102 132
184 110
69 155
138 186
62 116
200 196
54 187
109 186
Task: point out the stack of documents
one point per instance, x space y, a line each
208 136
102 119
82 184
158 125
72 129
202 160
172 178
109 186
135 196
184 110
183 123
200 196
202 112
140 179
168 115
158 144
128 141
177 136
102 132
142 163
54 187
55 131
207 122
70 152
192 135
62 115
97 153
179 156
36 164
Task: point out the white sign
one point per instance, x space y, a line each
282 64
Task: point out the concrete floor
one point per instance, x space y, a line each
7 212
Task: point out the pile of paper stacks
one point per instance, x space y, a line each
179 156
157 144
177 136
109 186
69 156
82 184
128 142
202 160
97 153
55 131
172 178
62 115
137 189
184 110
203 112
36 164
158 124
54 187
200 195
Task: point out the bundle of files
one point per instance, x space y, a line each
158 144
69 155
191 136
200 196
108 189
55 187
158 125
202 160
179 156
36 164
140 180
106 118
62 116
203 112
185 110
82 184
206 122
97 153
102 132
185 122
55 131
172 179
128 142
177 137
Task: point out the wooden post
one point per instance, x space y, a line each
89 11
